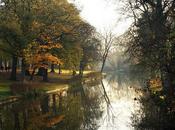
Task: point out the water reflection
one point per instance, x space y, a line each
105 105
121 92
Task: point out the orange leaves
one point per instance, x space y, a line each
49 58
39 55
42 60
155 84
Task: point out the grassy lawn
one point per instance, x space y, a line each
51 86
55 82
5 89
63 71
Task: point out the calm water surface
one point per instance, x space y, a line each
99 105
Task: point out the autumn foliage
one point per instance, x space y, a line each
39 54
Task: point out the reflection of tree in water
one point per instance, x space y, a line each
81 109
154 115
25 115
110 114
9 120
118 91
1 122
129 77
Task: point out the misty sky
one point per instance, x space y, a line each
104 15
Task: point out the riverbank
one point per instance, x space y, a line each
11 88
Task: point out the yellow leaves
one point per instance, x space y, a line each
50 58
42 60
155 84
40 55
50 46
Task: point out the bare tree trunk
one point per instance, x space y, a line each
25 119
23 67
14 67
167 78
54 104
45 104
59 69
73 72
108 42
5 65
81 68
45 75
60 103
104 59
32 75
40 71
103 64
17 122
1 61
1 124
52 68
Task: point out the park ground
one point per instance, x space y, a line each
10 88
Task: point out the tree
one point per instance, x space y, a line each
31 19
19 33
74 44
57 20
90 54
90 45
13 40
107 42
152 43
38 54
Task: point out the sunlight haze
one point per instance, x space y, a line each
104 15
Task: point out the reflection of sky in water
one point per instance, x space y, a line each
117 116
105 106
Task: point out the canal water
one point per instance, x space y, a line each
98 105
